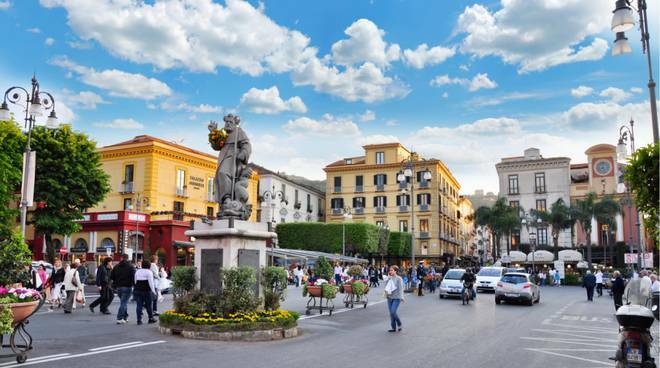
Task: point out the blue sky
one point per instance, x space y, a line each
463 81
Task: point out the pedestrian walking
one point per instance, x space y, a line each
71 285
56 283
599 282
589 282
373 276
557 278
154 270
143 291
123 279
542 275
103 286
82 272
297 275
432 274
618 288
394 294
338 272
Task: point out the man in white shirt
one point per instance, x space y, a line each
655 284
337 272
71 284
599 283
143 291
154 269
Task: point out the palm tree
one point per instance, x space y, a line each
559 218
483 216
587 209
509 221
606 211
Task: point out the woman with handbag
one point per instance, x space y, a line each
71 284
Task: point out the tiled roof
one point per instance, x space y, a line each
148 138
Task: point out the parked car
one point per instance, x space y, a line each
488 277
515 269
451 284
517 286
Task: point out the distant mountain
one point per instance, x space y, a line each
316 184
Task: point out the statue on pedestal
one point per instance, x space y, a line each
232 176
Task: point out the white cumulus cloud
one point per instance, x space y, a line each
116 82
84 100
615 94
327 126
537 34
367 116
121 124
581 91
49 41
479 81
423 55
365 44
268 101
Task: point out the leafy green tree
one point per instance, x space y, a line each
69 179
11 163
559 218
642 176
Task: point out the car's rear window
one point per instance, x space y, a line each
490 272
514 279
454 275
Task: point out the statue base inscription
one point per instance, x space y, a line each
228 243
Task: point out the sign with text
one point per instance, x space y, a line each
647 261
559 267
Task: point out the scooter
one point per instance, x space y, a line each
635 339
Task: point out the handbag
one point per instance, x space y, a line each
73 279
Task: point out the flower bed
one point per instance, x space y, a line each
18 295
260 320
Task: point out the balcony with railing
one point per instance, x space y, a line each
337 211
359 210
403 209
380 187
126 187
380 209
424 207
336 189
424 235
424 184
359 188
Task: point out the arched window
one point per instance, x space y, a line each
107 243
80 246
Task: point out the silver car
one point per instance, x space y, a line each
517 286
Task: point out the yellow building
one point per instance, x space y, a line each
466 226
157 189
367 187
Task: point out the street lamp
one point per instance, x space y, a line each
527 221
139 201
627 133
347 216
623 20
36 103
407 174
269 195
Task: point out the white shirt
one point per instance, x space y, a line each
143 274
645 285
599 277
338 270
655 287
70 275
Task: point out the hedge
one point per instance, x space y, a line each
361 238
399 244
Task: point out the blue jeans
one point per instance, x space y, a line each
337 279
392 306
124 294
143 300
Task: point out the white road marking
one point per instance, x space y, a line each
564 341
591 338
37 358
115 346
570 356
578 330
589 328
71 356
340 310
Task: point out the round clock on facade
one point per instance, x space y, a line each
603 167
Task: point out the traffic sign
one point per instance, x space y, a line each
63 250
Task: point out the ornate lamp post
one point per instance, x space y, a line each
627 134
139 203
269 195
527 221
623 20
407 174
37 102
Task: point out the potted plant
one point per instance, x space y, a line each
14 270
321 286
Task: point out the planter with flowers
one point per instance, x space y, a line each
17 303
356 293
321 292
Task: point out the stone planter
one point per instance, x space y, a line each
200 333
23 310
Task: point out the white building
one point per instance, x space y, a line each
533 182
283 200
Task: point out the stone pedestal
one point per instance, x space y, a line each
225 243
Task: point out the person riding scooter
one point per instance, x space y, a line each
468 279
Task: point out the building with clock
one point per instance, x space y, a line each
534 182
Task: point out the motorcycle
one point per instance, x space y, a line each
635 340
466 295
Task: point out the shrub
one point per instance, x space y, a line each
358 288
184 279
329 291
572 278
6 316
355 270
260 320
360 238
274 281
196 303
14 256
237 294
399 244
324 269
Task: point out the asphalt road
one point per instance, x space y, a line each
563 330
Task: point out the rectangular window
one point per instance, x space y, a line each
209 211
309 203
515 238
358 202
403 200
337 203
513 184
128 173
514 204
380 179
318 205
178 211
359 183
542 236
424 199
424 225
380 201
180 179
337 184
283 189
349 161
128 203
380 223
403 226
380 158
295 195
539 181
540 205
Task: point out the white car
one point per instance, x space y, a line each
488 277
451 284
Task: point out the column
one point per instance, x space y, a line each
619 227
594 231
